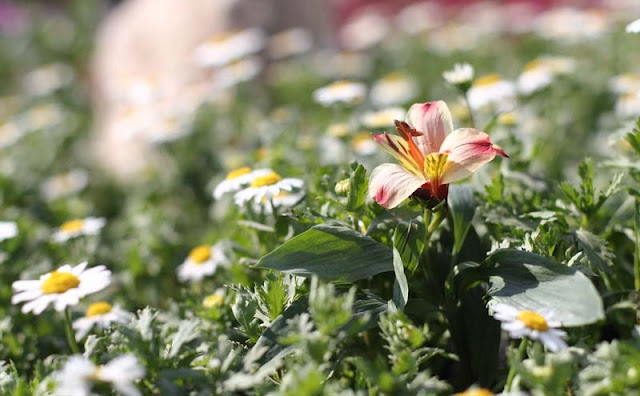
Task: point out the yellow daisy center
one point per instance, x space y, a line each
338 130
533 320
393 77
266 180
98 308
434 165
200 254
340 84
534 64
72 225
59 282
238 172
220 38
476 392
213 300
360 139
487 80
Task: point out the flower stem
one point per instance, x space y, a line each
438 217
73 345
471 119
512 370
636 258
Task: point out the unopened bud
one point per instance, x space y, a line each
343 187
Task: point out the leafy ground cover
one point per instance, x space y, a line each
273 246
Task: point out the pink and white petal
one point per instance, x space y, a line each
468 150
390 184
400 150
433 119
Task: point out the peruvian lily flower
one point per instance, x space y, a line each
431 155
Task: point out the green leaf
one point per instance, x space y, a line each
400 286
331 252
599 256
409 238
367 308
462 206
358 185
530 281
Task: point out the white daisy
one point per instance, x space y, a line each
102 314
343 64
202 261
393 89
492 91
8 230
363 144
239 71
266 187
214 300
237 179
225 48
460 75
78 375
364 31
383 118
419 17
284 199
64 184
625 83
62 287
540 73
535 325
628 105
77 227
343 91
42 116
290 42
633 27
47 78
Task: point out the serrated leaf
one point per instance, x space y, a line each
462 206
529 281
367 308
331 252
358 185
599 256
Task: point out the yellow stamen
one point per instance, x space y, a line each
266 180
489 79
98 308
238 172
533 320
59 282
434 165
213 300
476 392
72 225
200 254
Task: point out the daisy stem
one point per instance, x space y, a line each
73 345
512 370
471 119
636 258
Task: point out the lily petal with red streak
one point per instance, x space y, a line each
468 149
390 184
433 119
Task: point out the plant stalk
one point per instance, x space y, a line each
68 330
512 370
